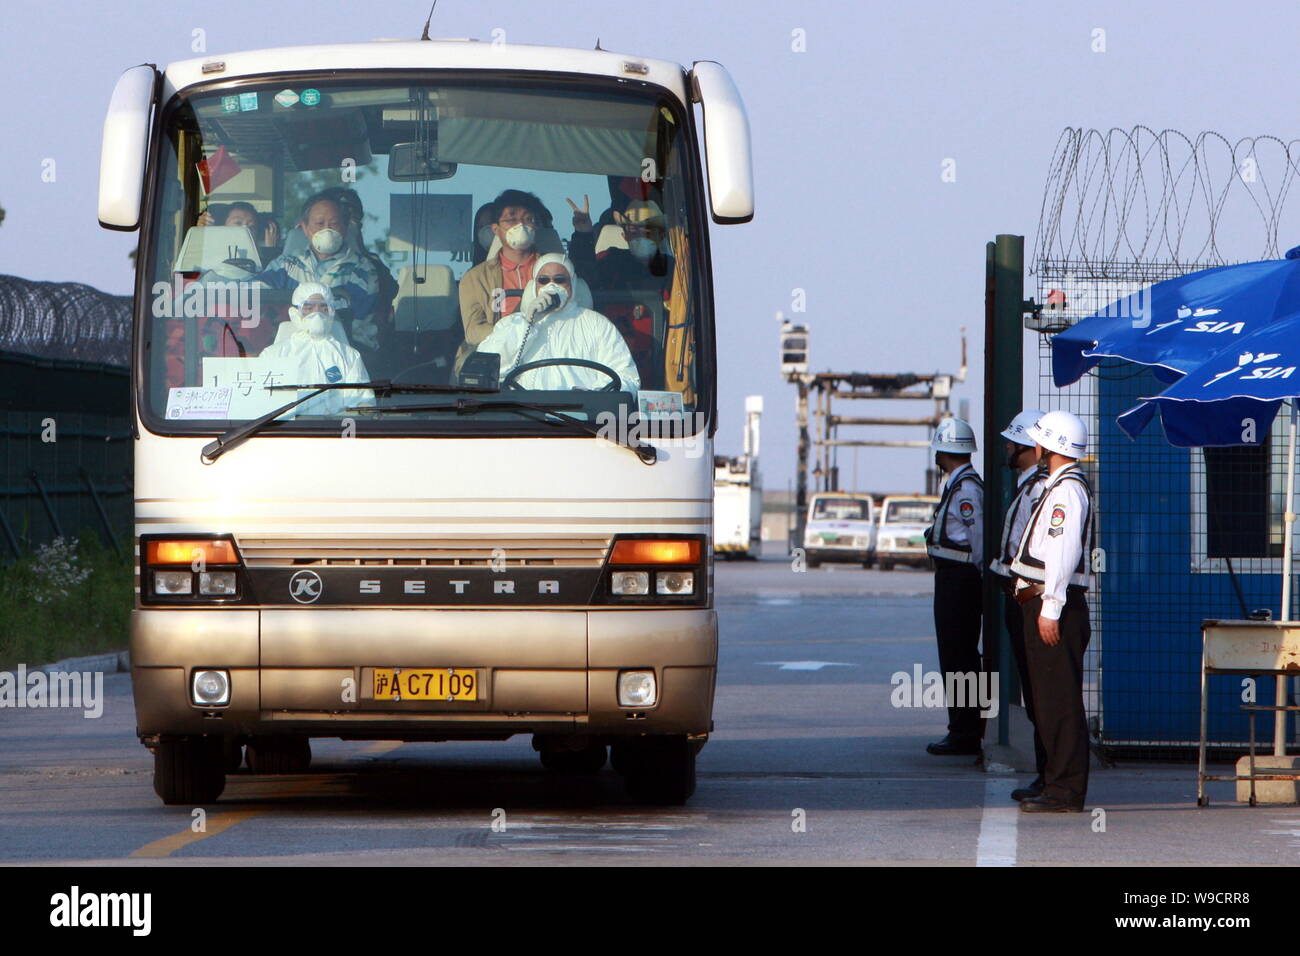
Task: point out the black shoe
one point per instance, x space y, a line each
952 746
1049 805
1025 793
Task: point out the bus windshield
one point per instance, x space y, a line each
536 240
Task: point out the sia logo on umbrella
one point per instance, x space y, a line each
1232 373
1176 325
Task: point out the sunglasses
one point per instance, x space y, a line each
547 280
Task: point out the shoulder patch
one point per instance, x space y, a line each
967 509
1058 516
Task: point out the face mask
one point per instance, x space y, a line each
520 236
485 236
317 324
642 248
327 241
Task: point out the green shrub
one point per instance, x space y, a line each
68 598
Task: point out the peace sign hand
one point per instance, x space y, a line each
581 217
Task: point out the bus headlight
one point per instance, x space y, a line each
173 582
195 569
211 688
674 582
631 582
637 689
222 583
656 569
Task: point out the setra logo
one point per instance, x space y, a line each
305 587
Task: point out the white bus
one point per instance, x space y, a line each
388 486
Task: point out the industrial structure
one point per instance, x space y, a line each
825 388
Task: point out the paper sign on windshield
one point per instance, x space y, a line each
187 404
248 380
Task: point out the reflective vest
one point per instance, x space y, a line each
1021 503
1030 567
938 544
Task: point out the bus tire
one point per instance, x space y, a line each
660 770
188 770
278 755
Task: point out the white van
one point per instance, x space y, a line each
901 536
841 526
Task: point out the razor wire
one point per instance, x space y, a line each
64 320
1125 196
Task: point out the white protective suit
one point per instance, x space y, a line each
320 355
571 331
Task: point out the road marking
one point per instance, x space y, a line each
997 842
216 823
803 665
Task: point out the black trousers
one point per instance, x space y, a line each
958 614
1016 629
1056 676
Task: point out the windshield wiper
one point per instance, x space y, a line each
237 436
463 406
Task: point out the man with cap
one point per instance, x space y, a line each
628 284
1052 568
955 543
1022 458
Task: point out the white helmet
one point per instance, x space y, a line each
1062 433
1018 430
954 436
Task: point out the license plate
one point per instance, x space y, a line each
444 684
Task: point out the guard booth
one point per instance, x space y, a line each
65 405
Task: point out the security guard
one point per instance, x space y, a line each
955 542
1052 567
1022 458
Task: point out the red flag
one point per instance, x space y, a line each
218 168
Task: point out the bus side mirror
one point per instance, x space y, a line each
125 149
726 143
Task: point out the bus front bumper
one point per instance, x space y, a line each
310 671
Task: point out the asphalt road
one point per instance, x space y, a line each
810 764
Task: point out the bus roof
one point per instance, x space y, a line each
424 54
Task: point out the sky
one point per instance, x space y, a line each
857 111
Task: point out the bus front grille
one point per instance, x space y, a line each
443 551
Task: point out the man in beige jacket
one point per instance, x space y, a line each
492 288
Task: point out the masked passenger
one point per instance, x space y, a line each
312 352
493 288
331 261
550 324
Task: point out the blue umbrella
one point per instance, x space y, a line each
1233 396
1176 325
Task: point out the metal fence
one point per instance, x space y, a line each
1186 534
65 415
